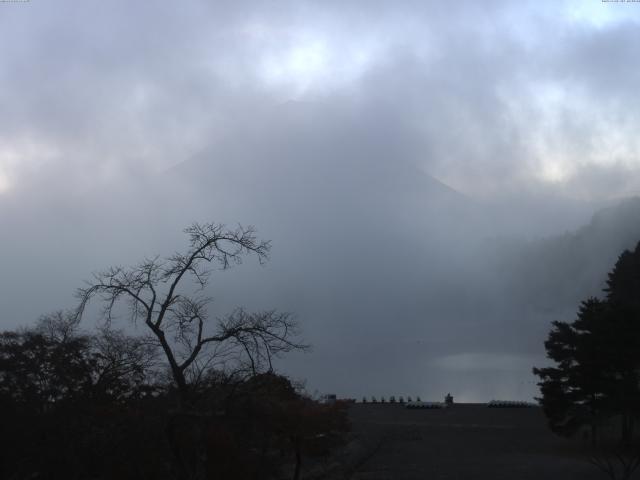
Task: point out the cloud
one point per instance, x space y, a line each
141 89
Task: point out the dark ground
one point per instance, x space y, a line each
462 442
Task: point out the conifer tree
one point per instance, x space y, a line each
597 357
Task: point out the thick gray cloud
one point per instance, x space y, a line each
400 155
537 90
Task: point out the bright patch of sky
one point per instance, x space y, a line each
312 64
307 60
19 156
602 13
5 185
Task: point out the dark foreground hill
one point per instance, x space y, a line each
466 441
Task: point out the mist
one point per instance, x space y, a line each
439 182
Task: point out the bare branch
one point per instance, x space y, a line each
158 292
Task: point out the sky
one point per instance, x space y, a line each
385 147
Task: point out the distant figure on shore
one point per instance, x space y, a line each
448 400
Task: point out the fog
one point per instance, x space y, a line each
427 172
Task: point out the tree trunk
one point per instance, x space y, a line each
298 453
627 429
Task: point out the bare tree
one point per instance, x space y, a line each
617 462
167 295
58 326
124 365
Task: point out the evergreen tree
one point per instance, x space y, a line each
597 372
